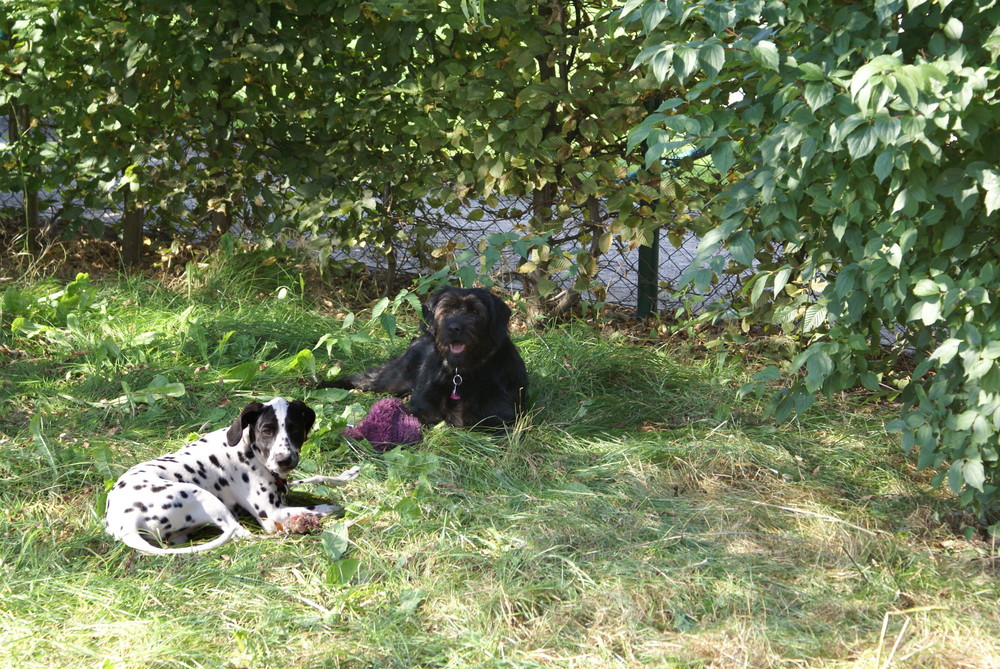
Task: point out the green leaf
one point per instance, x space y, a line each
765 52
818 94
887 128
335 540
870 381
713 57
769 373
927 288
896 425
410 601
781 279
952 237
811 72
990 182
652 13
160 387
818 368
380 307
930 312
759 285
719 16
965 420
946 351
662 62
861 142
815 317
956 476
974 473
907 86
241 374
884 164
685 62
723 156
741 247
546 286
408 507
342 572
388 323
953 30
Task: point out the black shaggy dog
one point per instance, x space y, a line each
463 369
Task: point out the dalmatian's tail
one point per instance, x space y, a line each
135 540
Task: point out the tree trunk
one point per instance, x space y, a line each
17 124
131 232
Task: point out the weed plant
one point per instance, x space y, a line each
640 515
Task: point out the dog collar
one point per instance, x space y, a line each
456 381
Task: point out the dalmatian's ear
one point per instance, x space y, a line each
305 414
246 417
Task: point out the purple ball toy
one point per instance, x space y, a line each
387 425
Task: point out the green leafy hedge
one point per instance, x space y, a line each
869 137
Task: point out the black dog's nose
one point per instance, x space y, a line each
454 328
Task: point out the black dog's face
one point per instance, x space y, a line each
277 431
466 324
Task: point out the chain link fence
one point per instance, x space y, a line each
48 212
615 281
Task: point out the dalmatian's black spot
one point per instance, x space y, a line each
214 460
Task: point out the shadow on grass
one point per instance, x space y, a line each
642 516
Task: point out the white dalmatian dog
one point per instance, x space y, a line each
240 468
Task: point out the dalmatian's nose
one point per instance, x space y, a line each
287 461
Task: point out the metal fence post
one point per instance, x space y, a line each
649 274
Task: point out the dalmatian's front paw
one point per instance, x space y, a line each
340 480
321 510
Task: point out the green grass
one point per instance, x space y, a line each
641 515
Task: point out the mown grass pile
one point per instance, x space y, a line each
641 515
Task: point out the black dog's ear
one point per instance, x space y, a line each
500 315
246 417
303 414
427 312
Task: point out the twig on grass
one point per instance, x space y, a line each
821 516
899 637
